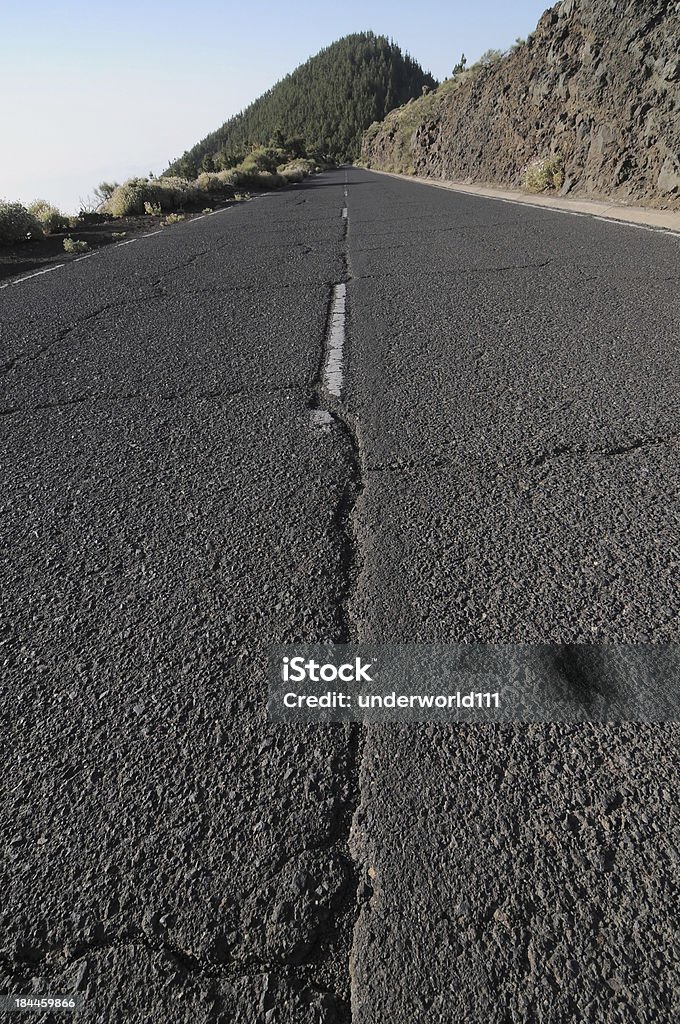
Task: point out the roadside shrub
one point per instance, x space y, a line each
130 198
262 159
174 193
172 218
209 181
51 219
296 170
228 177
72 245
83 219
207 209
260 179
542 175
87 217
17 224
118 234
152 209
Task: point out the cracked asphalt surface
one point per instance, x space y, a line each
502 467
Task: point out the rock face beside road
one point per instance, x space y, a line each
597 84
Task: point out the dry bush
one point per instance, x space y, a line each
51 219
72 245
17 224
543 175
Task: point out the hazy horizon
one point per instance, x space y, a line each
113 93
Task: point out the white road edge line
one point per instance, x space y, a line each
28 277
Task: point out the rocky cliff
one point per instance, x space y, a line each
596 86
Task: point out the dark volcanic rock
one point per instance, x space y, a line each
597 83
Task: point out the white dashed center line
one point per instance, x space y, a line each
335 343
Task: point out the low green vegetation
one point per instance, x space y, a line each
73 245
17 224
172 218
143 195
264 167
50 218
544 175
296 170
261 179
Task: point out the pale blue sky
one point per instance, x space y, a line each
96 91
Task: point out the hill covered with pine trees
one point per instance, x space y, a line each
321 108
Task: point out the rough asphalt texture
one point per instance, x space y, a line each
502 466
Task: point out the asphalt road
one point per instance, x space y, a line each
502 465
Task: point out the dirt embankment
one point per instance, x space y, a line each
596 85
